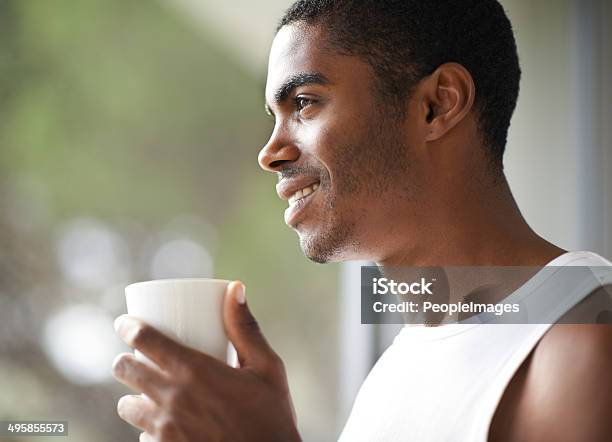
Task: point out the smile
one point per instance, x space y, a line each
298 203
302 193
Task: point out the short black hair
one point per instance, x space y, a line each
406 40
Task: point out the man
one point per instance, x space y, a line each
390 126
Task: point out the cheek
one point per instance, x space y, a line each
344 146
320 142
338 140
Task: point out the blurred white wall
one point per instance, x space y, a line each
558 157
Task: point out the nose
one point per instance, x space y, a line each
279 151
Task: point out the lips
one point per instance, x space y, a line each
296 210
290 188
303 193
298 192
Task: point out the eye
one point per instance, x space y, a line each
302 102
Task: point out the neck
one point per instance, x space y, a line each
473 224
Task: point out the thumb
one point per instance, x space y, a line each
243 330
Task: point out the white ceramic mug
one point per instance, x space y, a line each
187 310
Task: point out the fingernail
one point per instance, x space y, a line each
239 294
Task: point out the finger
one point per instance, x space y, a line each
243 330
137 411
140 376
161 349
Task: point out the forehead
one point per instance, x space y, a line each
300 48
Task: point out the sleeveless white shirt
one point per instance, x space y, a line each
444 383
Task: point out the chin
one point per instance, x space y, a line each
323 248
312 252
321 257
314 249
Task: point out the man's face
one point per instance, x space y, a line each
334 138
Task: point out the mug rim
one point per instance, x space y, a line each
175 280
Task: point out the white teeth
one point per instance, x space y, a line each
303 192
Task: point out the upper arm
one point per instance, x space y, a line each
574 373
564 390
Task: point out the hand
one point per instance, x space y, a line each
195 397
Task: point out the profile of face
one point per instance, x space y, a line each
342 158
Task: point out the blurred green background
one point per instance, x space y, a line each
129 136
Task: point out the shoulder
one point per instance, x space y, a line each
569 386
576 351
581 341
563 390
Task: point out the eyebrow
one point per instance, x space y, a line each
293 82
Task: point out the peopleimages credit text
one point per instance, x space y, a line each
386 286
438 295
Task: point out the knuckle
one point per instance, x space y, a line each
186 373
275 373
177 397
274 365
167 430
250 325
141 334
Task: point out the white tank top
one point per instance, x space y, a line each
444 383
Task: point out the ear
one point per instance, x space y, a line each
447 96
